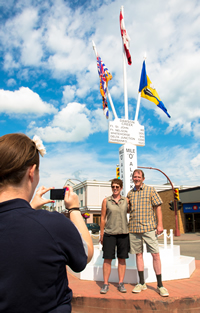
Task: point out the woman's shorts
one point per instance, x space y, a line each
137 239
110 242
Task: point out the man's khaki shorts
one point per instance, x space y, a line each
137 239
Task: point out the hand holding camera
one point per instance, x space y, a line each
66 194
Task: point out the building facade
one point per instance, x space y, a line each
188 215
91 194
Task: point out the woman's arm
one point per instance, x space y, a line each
103 220
72 201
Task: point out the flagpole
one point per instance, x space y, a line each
139 99
108 93
111 104
138 106
125 76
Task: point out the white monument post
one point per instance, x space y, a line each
130 134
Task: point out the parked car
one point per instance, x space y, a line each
94 227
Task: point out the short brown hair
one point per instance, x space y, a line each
117 181
139 171
17 153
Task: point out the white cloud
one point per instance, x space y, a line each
9 62
61 41
99 121
195 162
64 161
180 164
73 123
24 101
11 82
68 93
22 36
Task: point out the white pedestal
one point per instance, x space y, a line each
174 266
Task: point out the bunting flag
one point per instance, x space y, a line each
125 38
148 91
104 76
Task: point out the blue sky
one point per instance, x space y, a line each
49 83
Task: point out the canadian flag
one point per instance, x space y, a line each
125 38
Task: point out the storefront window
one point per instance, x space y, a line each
197 222
192 222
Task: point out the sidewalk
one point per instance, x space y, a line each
183 237
184 294
188 237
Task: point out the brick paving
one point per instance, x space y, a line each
184 297
184 294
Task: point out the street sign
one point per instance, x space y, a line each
126 131
191 207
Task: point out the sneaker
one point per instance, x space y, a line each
104 289
139 288
163 291
121 287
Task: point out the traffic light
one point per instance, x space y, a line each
118 172
171 205
176 194
179 205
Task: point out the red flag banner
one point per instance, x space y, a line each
125 38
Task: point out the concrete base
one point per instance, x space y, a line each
174 266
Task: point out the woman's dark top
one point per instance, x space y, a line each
35 247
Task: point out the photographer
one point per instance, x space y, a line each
36 245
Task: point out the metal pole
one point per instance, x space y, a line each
111 104
138 106
139 97
177 231
125 76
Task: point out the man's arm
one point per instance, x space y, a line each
103 220
159 219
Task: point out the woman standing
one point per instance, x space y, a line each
35 245
114 233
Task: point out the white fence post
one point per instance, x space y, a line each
165 238
171 237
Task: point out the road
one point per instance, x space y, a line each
187 248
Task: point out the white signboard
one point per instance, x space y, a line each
127 164
126 131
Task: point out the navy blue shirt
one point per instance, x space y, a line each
35 247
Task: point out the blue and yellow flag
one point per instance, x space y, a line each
148 91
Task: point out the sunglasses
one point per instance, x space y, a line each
115 187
